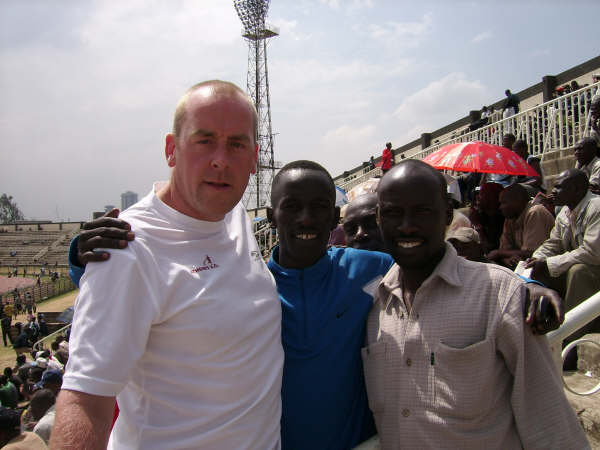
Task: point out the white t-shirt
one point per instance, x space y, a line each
185 326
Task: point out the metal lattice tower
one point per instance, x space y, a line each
256 31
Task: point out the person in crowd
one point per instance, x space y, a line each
467 244
533 184
360 224
61 354
9 309
43 411
569 260
486 216
24 341
11 437
52 380
595 118
316 285
211 367
14 379
43 325
387 158
586 154
511 105
448 360
9 396
526 227
6 322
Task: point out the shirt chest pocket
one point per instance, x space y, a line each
374 362
463 378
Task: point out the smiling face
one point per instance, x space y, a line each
304 213
413 214
213 155
360 224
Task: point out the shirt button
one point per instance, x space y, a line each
408 362
405 412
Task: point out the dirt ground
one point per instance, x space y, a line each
60 303
8 284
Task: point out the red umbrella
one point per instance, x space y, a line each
479 157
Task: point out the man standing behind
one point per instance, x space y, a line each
387 158
360 224
526 226
449 361
195 360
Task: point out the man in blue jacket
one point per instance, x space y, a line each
326 295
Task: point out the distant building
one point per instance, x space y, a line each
107 208
127 199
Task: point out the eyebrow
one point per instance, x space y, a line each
207 133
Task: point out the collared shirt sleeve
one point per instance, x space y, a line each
506 242
544 419
536 227
594 177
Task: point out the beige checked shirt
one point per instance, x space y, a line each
528 231
461 370
575 238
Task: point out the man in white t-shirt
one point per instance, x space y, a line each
194 359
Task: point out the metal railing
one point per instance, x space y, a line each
575 319
555 125
36 346
267 239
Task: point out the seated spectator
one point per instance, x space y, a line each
43 325
526 227
11 437
486 217
23 342
360 224
51 363
14 379
52 380
467 244
595 117
9 396
569 260
61 355
43 412
588 162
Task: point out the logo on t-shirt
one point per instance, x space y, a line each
207 264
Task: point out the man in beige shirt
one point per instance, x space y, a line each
449 361
526 226
569 260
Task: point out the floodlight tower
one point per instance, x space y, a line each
256 31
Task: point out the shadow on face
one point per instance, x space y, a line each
360 224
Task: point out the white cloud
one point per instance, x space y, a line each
333 4
404 34
288 28
482 37
439 103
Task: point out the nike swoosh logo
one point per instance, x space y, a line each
340 314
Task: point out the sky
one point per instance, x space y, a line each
88 87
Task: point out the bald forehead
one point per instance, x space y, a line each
363 201
297 177
415 175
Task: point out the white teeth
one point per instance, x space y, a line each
409 244
306 236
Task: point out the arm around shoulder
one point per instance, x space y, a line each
82 421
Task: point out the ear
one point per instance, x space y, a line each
270 217
336 217
170 149
255 165
449 212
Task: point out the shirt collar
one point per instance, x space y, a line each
581 205
447 270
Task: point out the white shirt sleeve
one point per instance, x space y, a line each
114 313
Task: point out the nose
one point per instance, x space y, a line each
407 225
219 156
305 217
361 233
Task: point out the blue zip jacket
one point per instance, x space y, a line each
325 306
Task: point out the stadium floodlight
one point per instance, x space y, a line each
256 31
